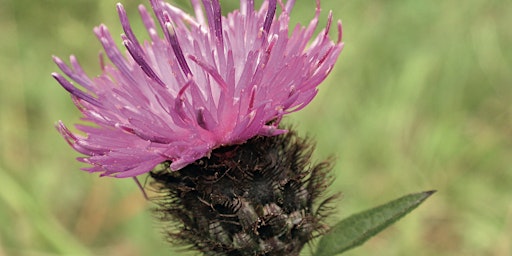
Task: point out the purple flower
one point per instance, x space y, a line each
210 81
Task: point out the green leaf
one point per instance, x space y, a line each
358 228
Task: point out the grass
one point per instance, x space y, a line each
420 99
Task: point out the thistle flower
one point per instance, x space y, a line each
211 81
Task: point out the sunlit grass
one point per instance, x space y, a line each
420 99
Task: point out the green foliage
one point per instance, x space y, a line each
358 228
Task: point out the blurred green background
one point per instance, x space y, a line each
420 99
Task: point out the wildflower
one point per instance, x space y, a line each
211 81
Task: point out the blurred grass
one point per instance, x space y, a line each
420 99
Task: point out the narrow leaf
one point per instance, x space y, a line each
358 228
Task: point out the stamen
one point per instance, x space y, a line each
198 11
123 17
247 7
289 6
75 91
211 71
80 75
68 135
170 34
200 118
217 20
137 56
209 14
251 100
180 102
183 89
214 15
263 60
328 26
113 52
270 15
146 18
173 40
340 31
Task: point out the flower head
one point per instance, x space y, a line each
209 81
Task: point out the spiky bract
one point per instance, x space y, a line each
257 198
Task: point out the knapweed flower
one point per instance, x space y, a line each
209 81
